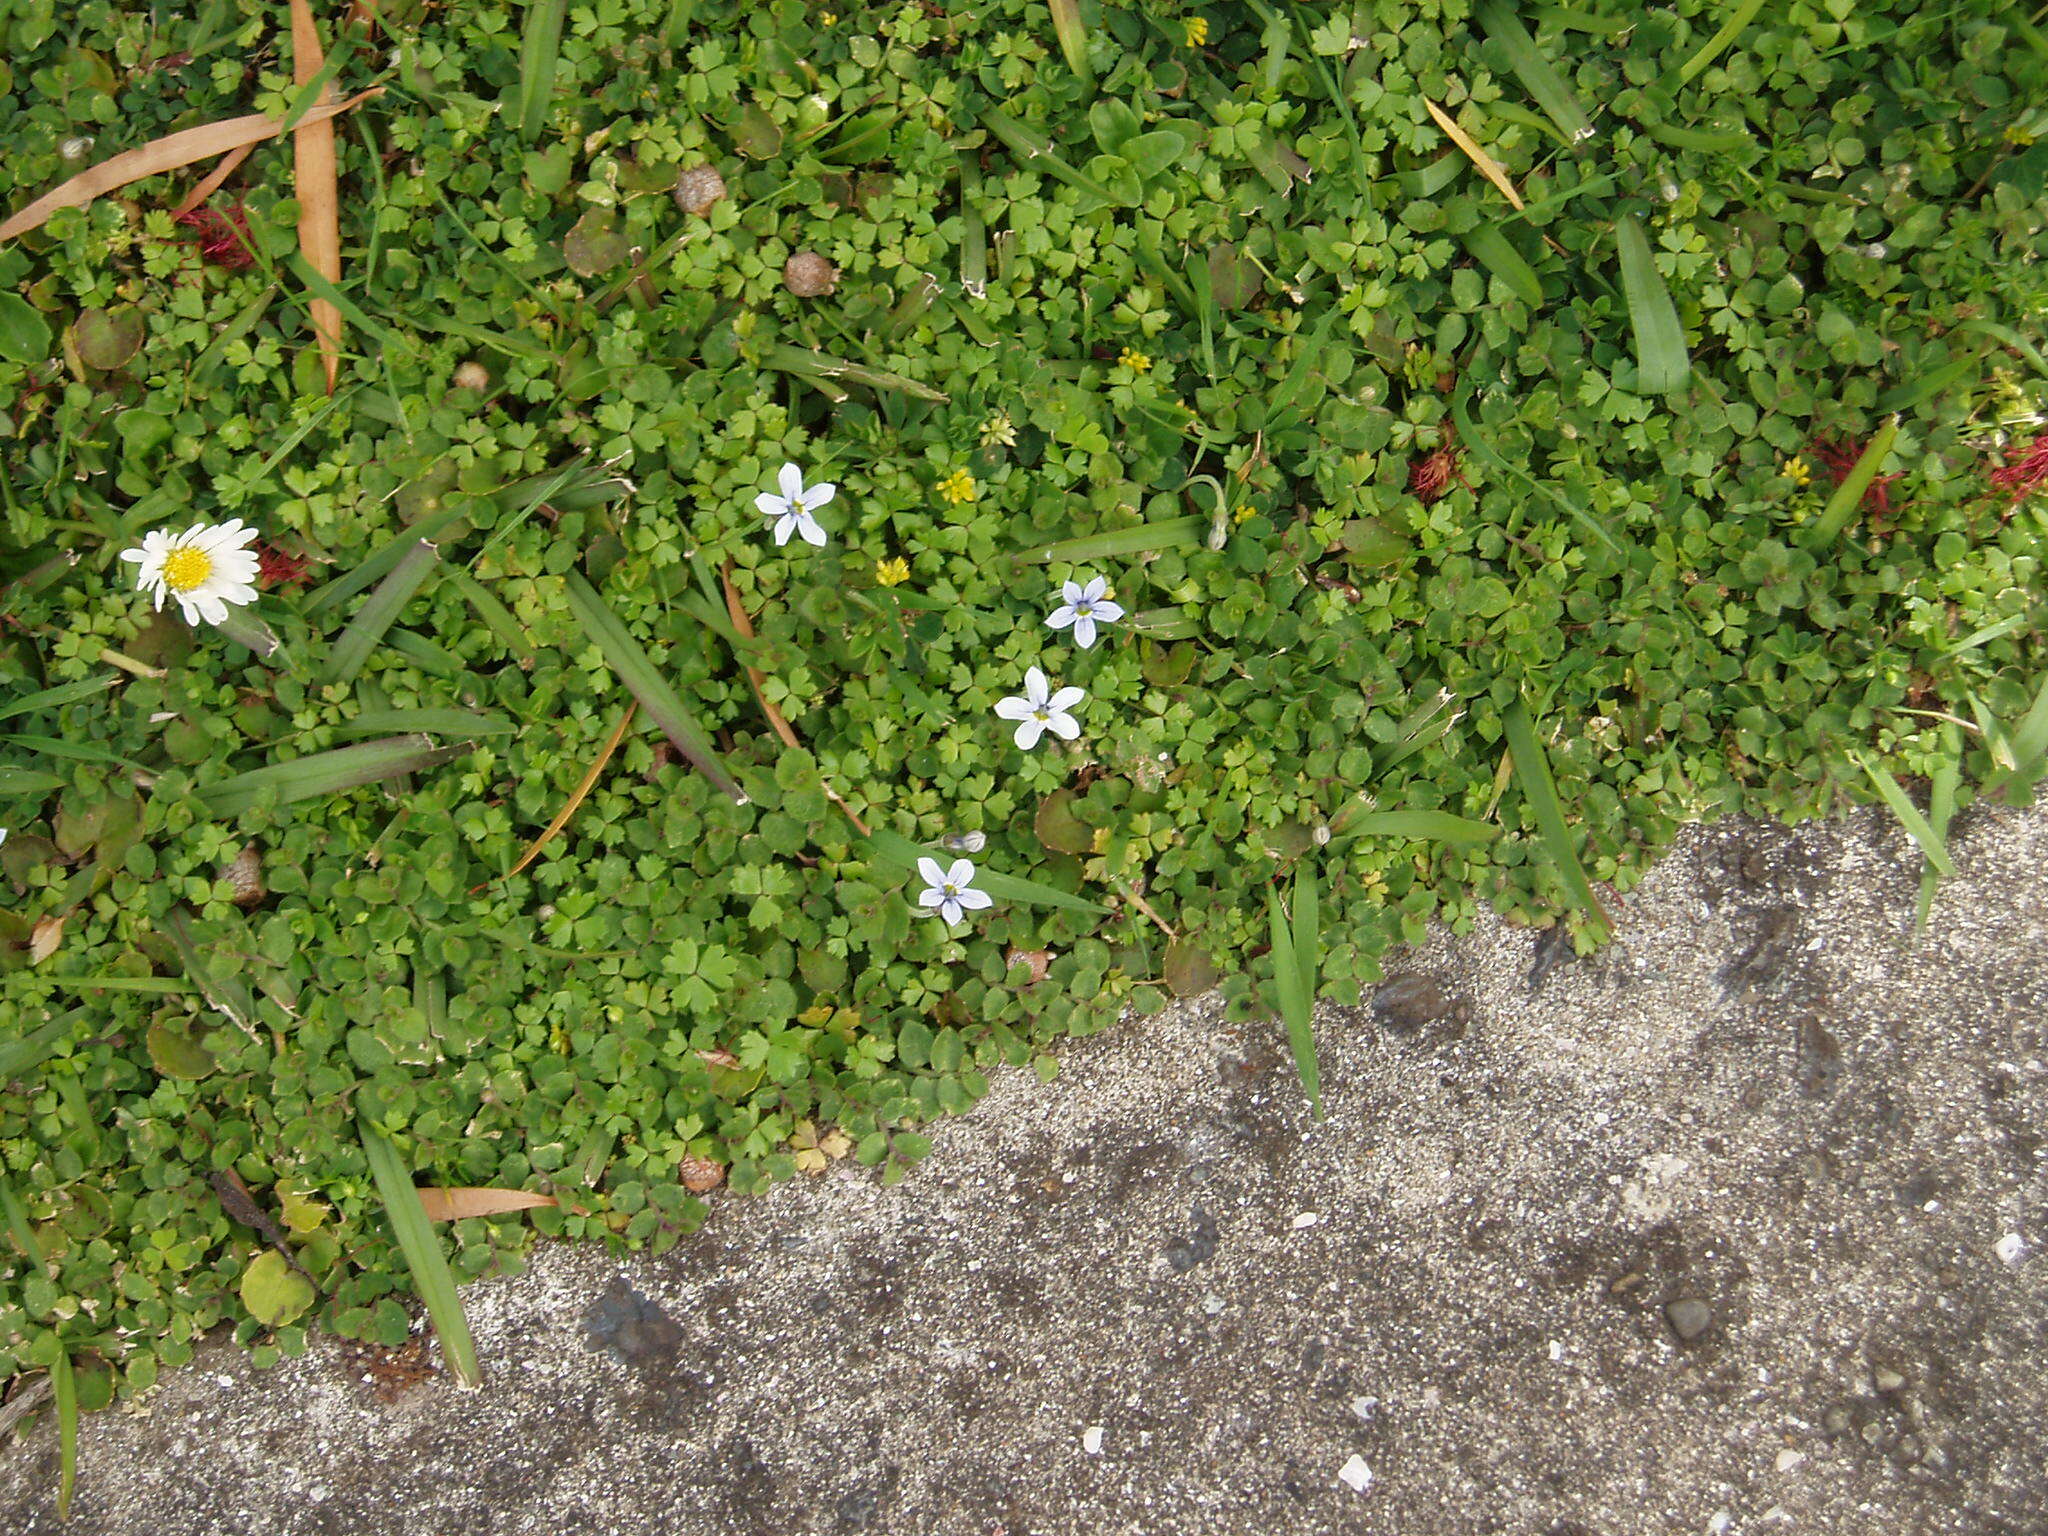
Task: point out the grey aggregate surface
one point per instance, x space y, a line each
1737 1227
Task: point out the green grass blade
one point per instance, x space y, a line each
1490 248
425 722
376 615
18 1223
1297 375
1293 1002
1932 844
497 618
1834 517
52 698
1686 73
1308 930
19 1055
231 997
899 855
1420 827
1481 450
2025 746
1941 810
327 773
817 365
636 670
1170 533
423 1256
28 781
540 49
66 1385
1532 769
1073 36
1032 147
1662 365
380 562
1538 77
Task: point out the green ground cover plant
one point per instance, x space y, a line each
1503 433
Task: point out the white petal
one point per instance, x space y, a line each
1063 726
1035 686
961 874
240 596
930 898
1107 612
1014 708
807 525
818 495
1073 591
1096 588
1084 631
791 480
931 871
768 504
1028 732
1065 700
784 527
135 556
974 901
1062 617
951 910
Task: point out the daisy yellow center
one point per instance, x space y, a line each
186 568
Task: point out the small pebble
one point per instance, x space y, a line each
1689 1318
1355 1474
1367 1408
1306 1219
1788 1459
1212 1304
1091 1439
1556 1350
2009 1248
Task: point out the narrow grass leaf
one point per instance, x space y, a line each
1492 250
423 1256
540 50
1662 366
18 1223
229 995
427 722
1169 533
1030 146
1534 70
816 365
378 612
580 793
168 153
316 182
54 698
1941 810
1488 166
1738 18
1073 36
1532 771
1848 496
1914 392
1889 790
1418 826
2025 746
67 1432
327 773
1296 378
20 1055
636 670
1481 450
381 561
1292 1003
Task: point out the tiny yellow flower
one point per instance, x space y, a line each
1136 361
1795 470
999 429
892 573
1198 31
827 18
958 487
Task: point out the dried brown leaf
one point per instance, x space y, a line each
576 796
48 934
168 153
212 183
317 182
456 1204
1488 166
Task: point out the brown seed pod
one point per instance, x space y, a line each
700 1175
245 874
472 375
807 275
698 188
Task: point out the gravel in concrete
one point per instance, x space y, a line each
1735 1228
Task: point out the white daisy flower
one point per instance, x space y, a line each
1084 608
793 508
1039 710
949 892
205 568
